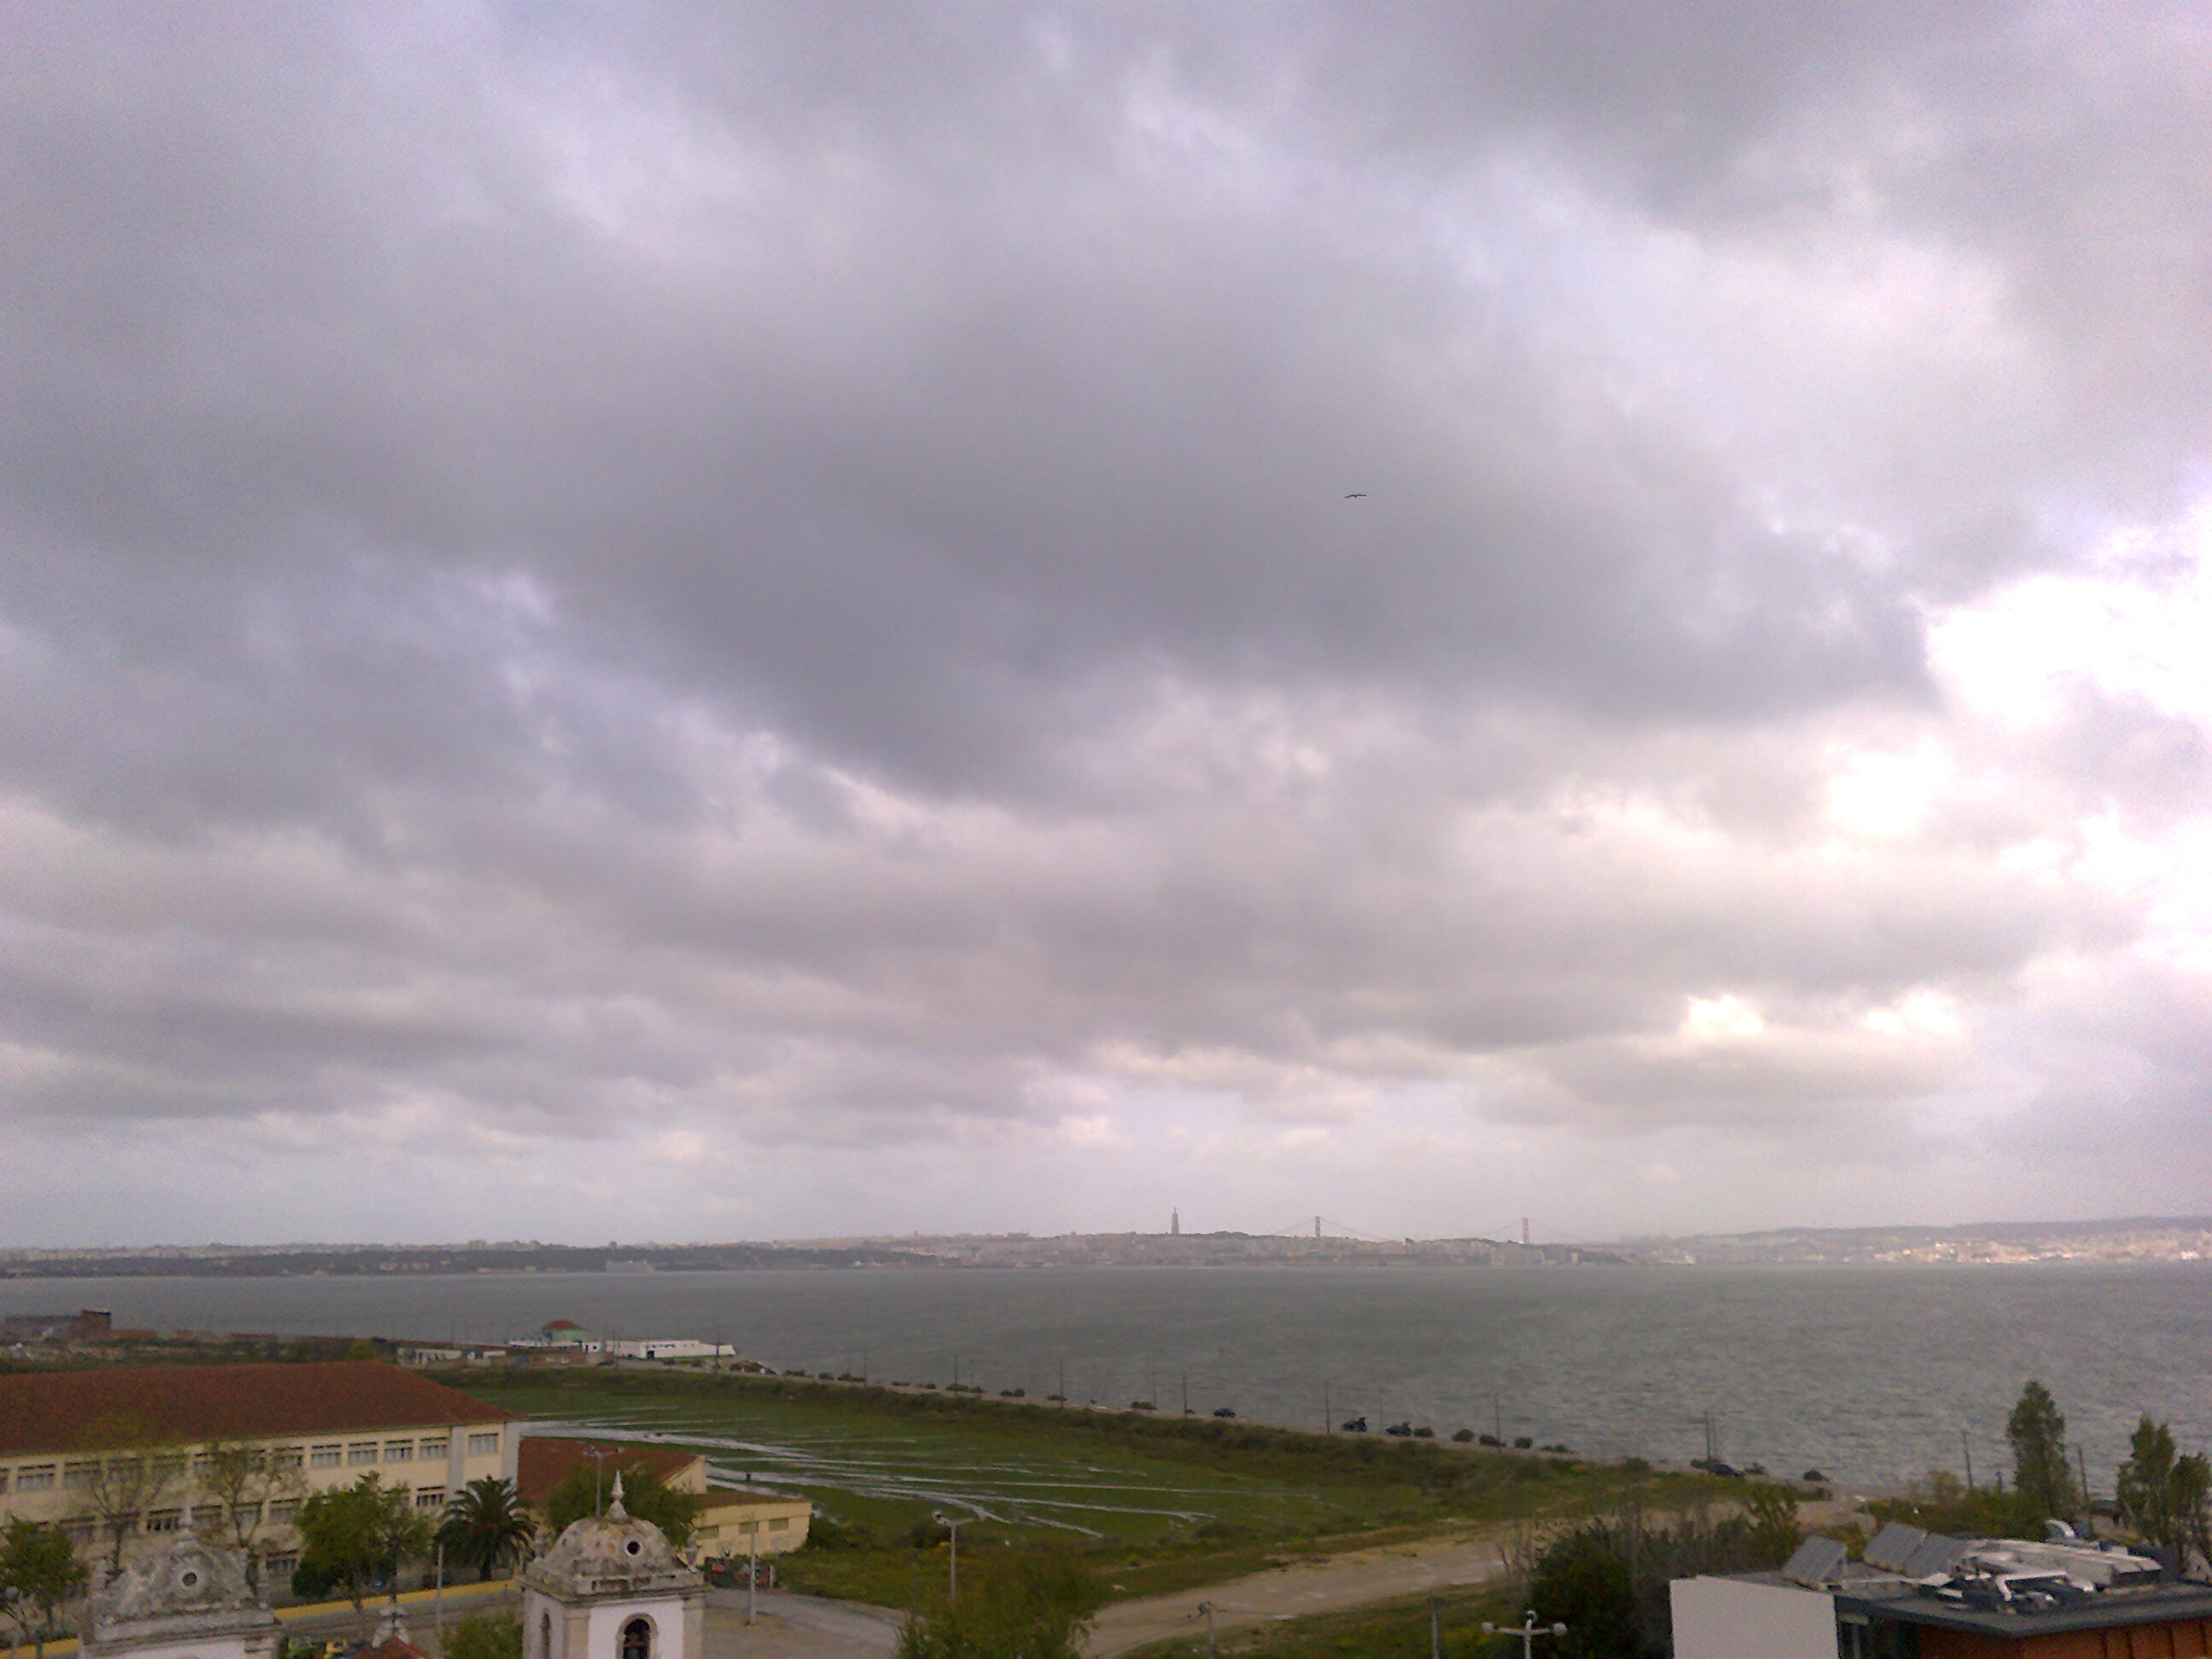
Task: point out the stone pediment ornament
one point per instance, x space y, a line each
191 1587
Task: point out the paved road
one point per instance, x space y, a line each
788 1625
1350 1580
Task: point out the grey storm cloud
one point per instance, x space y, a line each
856 577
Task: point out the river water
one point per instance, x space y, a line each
1870 1375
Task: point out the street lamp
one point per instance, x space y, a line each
1528 1630
952 1524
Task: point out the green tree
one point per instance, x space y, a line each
2166 1499
2036 1429
1583 1582
485 1635
351 1536
645 1495
38 1572
2190 1496
485 1524
1030 1604
2145 1484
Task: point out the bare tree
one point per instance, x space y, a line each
236 1481
129 1465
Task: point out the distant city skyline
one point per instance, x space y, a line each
2126 1238
808 620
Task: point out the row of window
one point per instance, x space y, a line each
279 1513
42 1477
776 1523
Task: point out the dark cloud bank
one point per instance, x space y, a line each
760 604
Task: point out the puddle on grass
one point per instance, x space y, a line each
898 1470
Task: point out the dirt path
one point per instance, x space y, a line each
1351 1580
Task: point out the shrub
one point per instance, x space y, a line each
485 1635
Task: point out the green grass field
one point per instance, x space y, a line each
1387 1630
1155 1503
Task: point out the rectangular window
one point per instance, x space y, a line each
35 1477
76 1475
484 1445
245 1516
284 1512
4 1480
362 1452
282 1567
162 1520
430 1497
81 1529
287 1457
437 1448
781 1523
399 1451
326 1457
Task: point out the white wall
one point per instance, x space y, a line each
1728 1618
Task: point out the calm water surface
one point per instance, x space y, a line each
1871 1374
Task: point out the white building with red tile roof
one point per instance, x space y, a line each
131 1448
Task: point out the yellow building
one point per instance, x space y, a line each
130 1450
734 1523
731 1520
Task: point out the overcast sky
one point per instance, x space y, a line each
765 621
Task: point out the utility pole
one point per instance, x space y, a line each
752 1563
598 1469
1436 1629
1496 1418
2089 1507
1967 1445
952 1524
1185 1394
1328 1421
1207 1608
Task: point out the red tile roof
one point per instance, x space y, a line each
66 1411
545 1460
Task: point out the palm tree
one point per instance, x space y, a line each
485 1524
